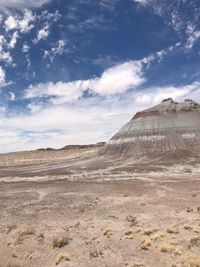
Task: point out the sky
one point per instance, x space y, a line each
74 71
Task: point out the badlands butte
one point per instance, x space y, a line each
133 202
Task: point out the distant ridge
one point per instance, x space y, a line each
100 144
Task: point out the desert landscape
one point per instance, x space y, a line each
91 215
100 133
75 207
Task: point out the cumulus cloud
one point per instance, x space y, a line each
115 80
22 23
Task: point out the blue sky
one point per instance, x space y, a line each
73 72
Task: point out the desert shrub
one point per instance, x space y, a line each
61 241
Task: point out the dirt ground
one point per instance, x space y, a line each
71 208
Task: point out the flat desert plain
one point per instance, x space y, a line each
71 208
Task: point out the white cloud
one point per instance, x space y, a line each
11 23
6 57
81 123
2 77
25 48
115 80
75 125
18 4
59 49
141 2
47 16
22 23
155 95
12 96
192 39
42 34
13 40
59 92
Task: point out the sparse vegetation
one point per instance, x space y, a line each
172 230
145 242
60 241
23 235
62 256
148 231
108 233
165 247
158 235
194 242
129 234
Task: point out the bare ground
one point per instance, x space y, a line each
70 208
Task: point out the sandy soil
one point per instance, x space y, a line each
73 209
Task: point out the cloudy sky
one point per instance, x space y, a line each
74 71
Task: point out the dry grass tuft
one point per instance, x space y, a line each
194 242
63 256
165 247
60 241
23 235
187 227
108 233
129 234
148 231
157 236
172 230
145 242
192 261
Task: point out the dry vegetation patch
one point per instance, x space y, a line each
166 247
61 241
108 233
145 242
23 235
62 256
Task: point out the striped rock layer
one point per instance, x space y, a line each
168 126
